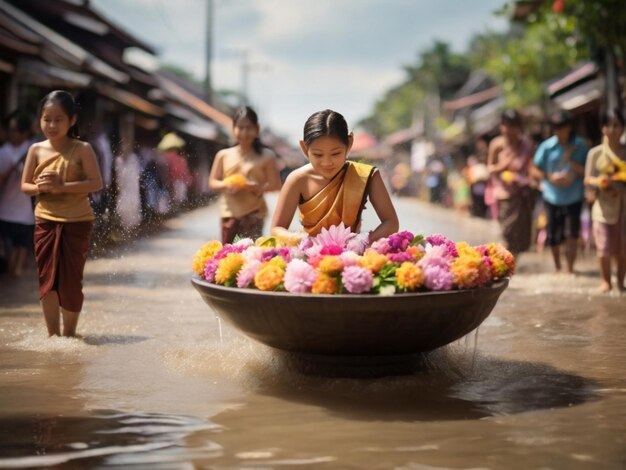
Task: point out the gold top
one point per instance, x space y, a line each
64 207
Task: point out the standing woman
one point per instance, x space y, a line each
242 174
605 173
560 165
509 161
61 171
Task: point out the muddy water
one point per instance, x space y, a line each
157 381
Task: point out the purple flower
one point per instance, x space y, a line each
438 239
299 276
399 241
437 277
357 280
273 252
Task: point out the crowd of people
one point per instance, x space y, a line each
549 193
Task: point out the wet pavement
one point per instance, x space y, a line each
157 381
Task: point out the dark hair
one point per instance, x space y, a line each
511 117
612 115
326 123
560 118
251 115
66 102
23 121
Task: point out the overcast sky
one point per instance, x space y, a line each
304 55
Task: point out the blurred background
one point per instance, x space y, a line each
421 85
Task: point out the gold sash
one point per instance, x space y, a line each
341 200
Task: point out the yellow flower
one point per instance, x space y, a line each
465 271
205 253
235 181
372 260
465 249
330 264
409 276
268 277
325 284
278 261
228 267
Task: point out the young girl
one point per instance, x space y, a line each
330 190
605 172
61 171
242 174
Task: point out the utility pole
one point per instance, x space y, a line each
208 86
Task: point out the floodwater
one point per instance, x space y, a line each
158 382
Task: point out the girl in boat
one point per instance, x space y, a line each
331 190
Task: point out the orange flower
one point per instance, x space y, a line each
415 252
325 284
269 277
330 264
372 260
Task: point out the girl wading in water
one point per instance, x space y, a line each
61 172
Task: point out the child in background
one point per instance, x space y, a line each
605 173
242 174
61 172
330 190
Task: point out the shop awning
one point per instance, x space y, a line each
131 100
581 95
200 128
40 73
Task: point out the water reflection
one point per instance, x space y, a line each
443 385
106 438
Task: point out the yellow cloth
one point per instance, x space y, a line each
341 200
65 207
243 203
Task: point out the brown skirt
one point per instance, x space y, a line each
61 251
515 215
248 226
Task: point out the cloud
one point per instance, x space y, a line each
303 55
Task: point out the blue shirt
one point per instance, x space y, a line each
549 159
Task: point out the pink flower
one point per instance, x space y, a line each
245 276
437 276
358 243
210 268
357 280
349 258
299 276
381 246
399 258
438 239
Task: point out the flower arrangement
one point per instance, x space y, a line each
235 181
338 261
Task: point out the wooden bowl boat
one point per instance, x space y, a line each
352 325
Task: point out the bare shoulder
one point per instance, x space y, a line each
496 142
298 176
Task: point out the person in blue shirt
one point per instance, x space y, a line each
559 163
